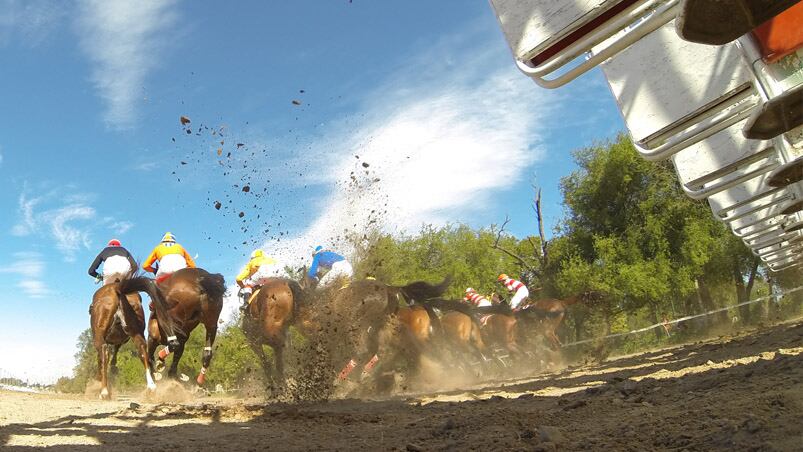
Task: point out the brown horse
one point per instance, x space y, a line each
548 314
501 330
190 296
460 327
115 319
279 303
357 313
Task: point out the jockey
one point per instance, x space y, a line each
255 272
517 288
475 298
117 263
335 265
171 256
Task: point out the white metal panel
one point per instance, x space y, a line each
724 148
661 81
750 194
530 26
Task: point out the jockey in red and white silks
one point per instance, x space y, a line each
475 298
517 288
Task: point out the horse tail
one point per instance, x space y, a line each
129 315
299 297
421 290
147 285
213 284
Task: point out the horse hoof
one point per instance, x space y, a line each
104 394
201 379
157 376
152 387
184 378
159 366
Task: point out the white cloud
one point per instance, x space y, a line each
27 224
123 39
146 166
69 237
66 218
440 142
32 21
30 267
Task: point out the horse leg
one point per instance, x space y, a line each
267 367
206 358
370 356
173 372
103 369
143 349
113 365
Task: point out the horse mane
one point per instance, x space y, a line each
420 291
144 284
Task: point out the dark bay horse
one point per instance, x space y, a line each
190 296
115 319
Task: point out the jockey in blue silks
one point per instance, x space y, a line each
332 264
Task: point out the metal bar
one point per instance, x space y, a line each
662 13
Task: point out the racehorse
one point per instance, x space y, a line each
187 298
548 314
460 326
115 319
279 303
355 315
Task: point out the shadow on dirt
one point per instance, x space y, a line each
741 394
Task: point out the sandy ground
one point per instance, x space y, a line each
735 393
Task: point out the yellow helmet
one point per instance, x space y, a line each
257 253
169 237
502 277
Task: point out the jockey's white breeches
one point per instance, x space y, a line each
340 269
115 269
483 303
170 264
264 272
520 295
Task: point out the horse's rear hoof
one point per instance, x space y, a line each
184 378
104 394
157 376
201 379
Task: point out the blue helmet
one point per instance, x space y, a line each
318 249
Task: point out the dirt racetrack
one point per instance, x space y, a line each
735 393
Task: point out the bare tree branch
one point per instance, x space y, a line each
515 256
540 218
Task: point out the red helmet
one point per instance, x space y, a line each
114 242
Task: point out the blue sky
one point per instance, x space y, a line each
91 146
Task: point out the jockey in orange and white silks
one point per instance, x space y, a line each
475 298
117 263
517 288
171 258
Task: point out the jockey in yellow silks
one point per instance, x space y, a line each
256 272
171 258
